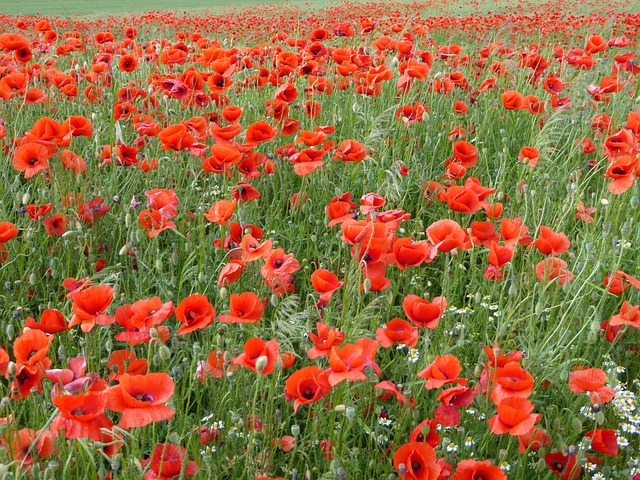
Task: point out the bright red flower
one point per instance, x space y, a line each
244 308
514 417
442 371
416 461
89 307
424 313
141 399
306 386
397 330
194 312
258 353
564 466
168 462
475 470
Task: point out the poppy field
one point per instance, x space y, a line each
352 242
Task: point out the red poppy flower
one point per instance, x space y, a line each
514 417
340 209
194 312
81 416
230 273
27 445
163 201
141 399
416 461
475 470
629 315
244 308
260 132
389 390
535 439
466 153
603 441
512 100
408 253
623 172
551 268
591 380
351 151
278 264
89 307
447 235
51 321
346 363
423 313
453 399
244 192
168 462
620 282
128 63
529 155
324 340
259 354
584 213
232 113
397 330
426 431
564 466
442 371
125 361
31 158
306 386
511 381
149 313
551 243
326 284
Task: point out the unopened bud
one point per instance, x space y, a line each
295 430
261 363
350 413
274 300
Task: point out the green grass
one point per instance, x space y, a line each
121 7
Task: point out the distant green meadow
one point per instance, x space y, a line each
122 7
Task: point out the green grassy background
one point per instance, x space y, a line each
75 7
121 7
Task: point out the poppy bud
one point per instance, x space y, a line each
274 300
174 438
159 265
367 285
261 363
153 333
340 408
124 249
350 413
26 198
12 368
10 331
127 220
513 290
223 293
295 430
576 424
634 202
